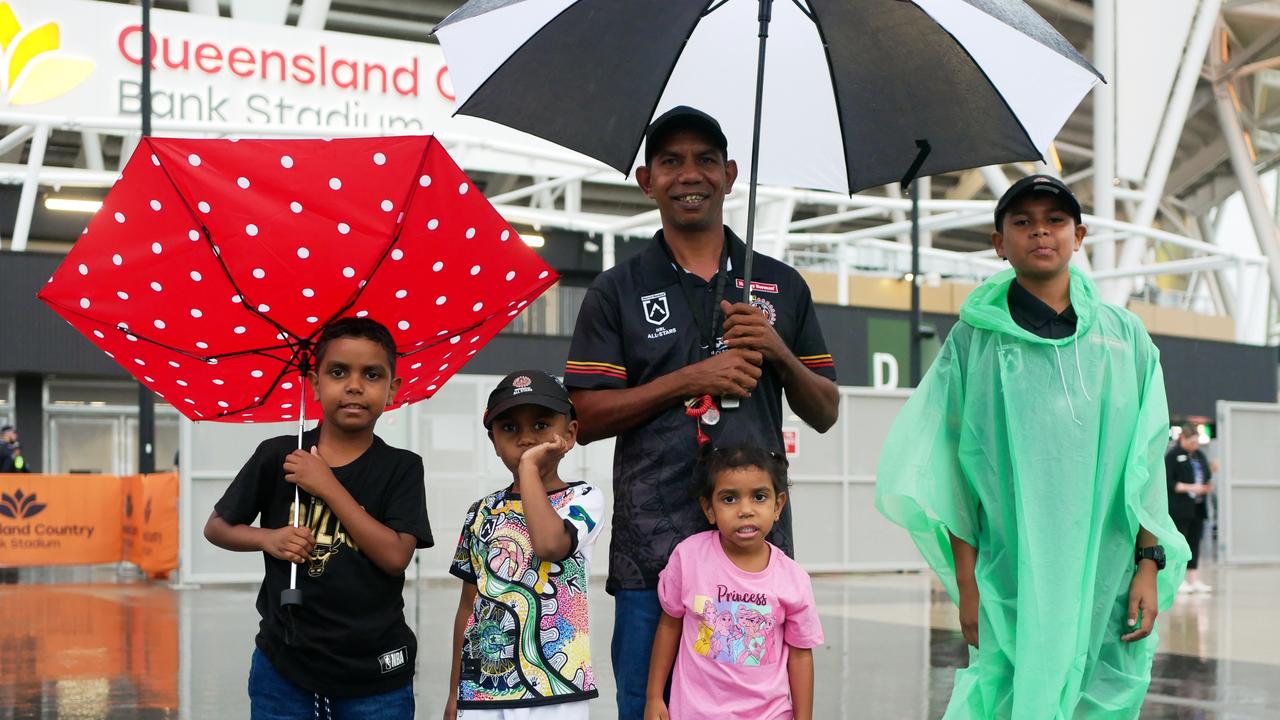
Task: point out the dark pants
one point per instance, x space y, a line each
1192 529
272 697
635 622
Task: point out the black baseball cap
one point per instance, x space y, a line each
683 117
528 387
1038 183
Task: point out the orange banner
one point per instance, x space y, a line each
60 519
88 519
151 522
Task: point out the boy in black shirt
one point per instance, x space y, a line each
345 652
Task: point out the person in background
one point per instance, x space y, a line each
11 460
1189 477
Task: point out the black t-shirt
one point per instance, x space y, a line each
1036 317
635 326
349 637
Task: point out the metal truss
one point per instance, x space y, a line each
1155 239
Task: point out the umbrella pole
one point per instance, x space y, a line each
918 329
146 401
766 11
916 315
293 596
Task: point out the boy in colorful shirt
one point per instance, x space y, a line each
520 636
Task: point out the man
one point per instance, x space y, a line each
1188 476
661 331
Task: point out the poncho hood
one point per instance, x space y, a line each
987 307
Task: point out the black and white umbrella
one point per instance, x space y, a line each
852 94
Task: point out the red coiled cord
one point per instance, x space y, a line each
696 411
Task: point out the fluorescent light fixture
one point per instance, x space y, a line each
72 205
908 277
533 240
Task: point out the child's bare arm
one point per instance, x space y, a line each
390 550
465 603
289 543
665 643
966 559
551 541
800 676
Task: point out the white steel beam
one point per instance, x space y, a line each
539 187
203 7
1224 294
833 218
1104 124
313 15
924 186
1077 11
1172 267
91 147
997 181
1175 118
16 137
271 12
30 185
896 191
1264 223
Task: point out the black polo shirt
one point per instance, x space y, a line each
1033 315
635 326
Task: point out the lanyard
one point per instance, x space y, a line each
706 326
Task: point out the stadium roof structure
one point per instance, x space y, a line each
1177 179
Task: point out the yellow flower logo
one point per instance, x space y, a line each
37 71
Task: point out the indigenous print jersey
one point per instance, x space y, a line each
525 643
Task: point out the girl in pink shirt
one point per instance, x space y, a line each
739 620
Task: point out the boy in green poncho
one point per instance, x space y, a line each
1028 468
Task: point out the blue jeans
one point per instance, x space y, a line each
635 622
272 697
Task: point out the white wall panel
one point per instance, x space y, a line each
837 526
1248 483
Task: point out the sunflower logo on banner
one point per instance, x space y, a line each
34 69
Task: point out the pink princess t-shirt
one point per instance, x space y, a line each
738 626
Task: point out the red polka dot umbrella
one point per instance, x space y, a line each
213 265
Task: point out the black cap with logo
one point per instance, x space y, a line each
1038 183
528 387
683 117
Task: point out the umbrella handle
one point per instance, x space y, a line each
293 596
923 149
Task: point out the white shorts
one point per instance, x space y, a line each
564 711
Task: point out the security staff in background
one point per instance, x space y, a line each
1189 479
11 460
660 339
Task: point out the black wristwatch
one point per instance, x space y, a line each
1155 552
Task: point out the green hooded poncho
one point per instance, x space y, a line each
1047 456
